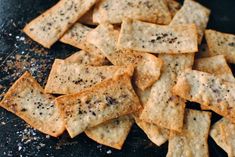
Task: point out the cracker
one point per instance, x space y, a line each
193 12
69 78
76 37
87 58
105 101
113 11
26 100
173 7
216 65
47 28
148 66
207 90
192 141
221 44
148 37
113 133
155 133
223 133
163 108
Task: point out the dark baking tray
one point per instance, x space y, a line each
18 53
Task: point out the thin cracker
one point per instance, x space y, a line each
87 58
113 11
221 44
113 133
47 28
223 133
208 90
148 37
163 108
105 101
69 78
148 66
193 12
26 100
192 141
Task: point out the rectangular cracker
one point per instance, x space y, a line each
70 78
112 133
163 108
47 28
155 133
147 66
207 90
173 7
192 141
221 44
193 12
148 37
26 100
105 101
113 11
86 58
223 133
216 65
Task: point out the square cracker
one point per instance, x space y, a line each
221 44
112 133
147 66
86 58
223 133
148 37
70 78
113 11
26 100
47 28
105 101
192 141
163 108
192 12
207 90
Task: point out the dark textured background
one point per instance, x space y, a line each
18 53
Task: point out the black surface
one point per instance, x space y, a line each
18 53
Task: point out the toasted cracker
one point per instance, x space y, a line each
223 133
208 90
113 11
163 108
113 133
107 100
148 66
148 37
26 100
87 18
192 141
47 28
173 6
193 12
69 78
216 65
221 44
87 58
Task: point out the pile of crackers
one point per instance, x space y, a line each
137 64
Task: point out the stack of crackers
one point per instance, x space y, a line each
136 64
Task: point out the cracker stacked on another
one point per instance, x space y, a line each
141 69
